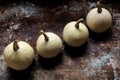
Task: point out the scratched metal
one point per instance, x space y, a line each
98 59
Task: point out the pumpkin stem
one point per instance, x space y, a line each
99 10
46 37
77 23
15 45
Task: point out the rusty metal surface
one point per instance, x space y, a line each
98 59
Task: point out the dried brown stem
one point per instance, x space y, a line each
99 10
46 37
77 23
15 45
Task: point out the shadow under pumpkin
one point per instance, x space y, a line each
75 52
50 63
21 75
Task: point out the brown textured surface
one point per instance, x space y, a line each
99 59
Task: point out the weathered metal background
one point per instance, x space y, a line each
98 59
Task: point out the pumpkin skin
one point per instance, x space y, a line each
73 36
99 22
50 48
20 59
